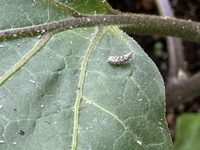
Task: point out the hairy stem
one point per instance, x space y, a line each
182 91
141 24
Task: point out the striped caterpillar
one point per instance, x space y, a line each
120 60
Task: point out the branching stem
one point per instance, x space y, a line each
139 24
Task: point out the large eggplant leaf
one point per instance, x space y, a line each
66 95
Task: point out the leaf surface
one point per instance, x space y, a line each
65 95
187 132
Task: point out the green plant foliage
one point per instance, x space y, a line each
90 7
187 132
67 96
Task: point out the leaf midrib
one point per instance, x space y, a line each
84 64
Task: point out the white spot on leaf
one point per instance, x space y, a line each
32 81
139 142
1 141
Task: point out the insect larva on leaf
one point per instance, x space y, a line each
120 60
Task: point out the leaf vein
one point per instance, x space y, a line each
80 86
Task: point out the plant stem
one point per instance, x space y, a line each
182 91
140 24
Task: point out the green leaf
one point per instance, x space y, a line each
59 91
27 13
187 132
92 7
